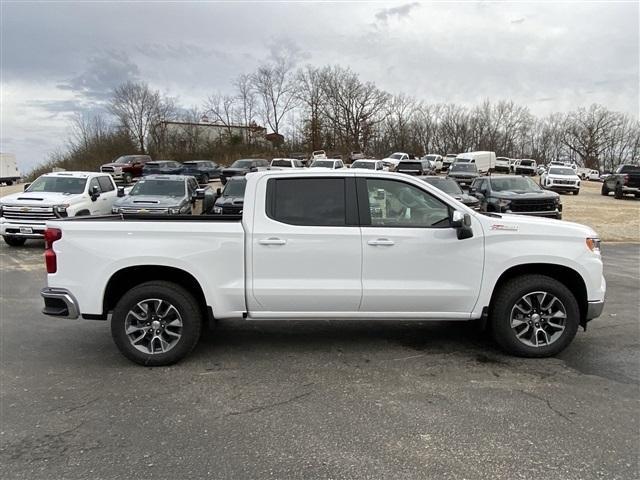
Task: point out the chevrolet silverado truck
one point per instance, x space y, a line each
54 195
624 181
325 245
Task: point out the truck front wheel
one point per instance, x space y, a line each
534 316
13 241
156 323
618 193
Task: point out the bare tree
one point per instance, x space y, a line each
138 109
223 110
275 87
310 95
246 98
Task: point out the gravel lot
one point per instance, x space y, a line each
316 399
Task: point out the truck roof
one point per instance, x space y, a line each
76 174
159 176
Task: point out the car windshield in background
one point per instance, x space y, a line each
241 164
168 188
513 184
281 163
369 165
431 157
125 160
191 164
526 163
462 160
323 163
234 188
396 156
410 165
629 168
446 185
561 171
58 185
464 167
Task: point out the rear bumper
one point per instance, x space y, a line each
59 302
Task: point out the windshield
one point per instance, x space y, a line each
125 159
281 163
462 160
446 185
561 171
463 167
169 188
323 163
431 157
241 164
234 188
628 169
369 165
396 156
526 163
58 185
513 184
410 165
191 164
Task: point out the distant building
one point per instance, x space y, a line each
215 132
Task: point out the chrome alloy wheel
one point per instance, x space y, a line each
153 326
538 319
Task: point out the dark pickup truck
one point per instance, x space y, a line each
624 181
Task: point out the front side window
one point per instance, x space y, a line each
105 184
307 201
394 203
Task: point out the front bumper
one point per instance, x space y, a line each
59 302
22 230
594 309
563 188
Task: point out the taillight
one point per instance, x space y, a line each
50 236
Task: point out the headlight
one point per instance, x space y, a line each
174 210
115 210
593 244
60 210
217 210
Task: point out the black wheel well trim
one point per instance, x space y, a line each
84 211
129 277
569 277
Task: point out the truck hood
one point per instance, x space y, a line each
537 226
41 198
512 195
235 170
116 165
222 201
462 175
154 201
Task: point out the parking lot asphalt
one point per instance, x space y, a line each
317 400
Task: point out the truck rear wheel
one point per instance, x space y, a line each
618 193
605 189
13 241
534 316
156 323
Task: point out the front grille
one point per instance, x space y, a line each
144 210
542 205
28 214
107 169
564 182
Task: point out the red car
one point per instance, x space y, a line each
126 167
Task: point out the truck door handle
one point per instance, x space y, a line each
272 241
381 242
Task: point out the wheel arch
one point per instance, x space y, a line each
565 275
129 277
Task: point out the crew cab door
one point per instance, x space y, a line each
305 248
107 196
412 259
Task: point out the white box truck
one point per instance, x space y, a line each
9 172
485 161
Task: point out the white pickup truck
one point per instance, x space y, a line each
331 245
54 195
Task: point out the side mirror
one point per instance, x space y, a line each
198 194
462 223
95 192
26 185
120 191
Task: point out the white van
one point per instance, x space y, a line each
9 172
485 161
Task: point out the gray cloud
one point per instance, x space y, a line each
401 11
517 21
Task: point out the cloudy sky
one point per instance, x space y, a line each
62 57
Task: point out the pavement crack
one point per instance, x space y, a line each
260 408
548 402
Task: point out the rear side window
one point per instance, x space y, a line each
307 201
105 184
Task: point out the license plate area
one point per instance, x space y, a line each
26 230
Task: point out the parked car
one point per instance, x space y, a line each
594 176
370 165
300 156
286 163
162 167
463 173
395 158
448 160
54 195
512 165
327 163
560 179
231 199
485 161
125 168
503 165
202 170
624 181
415 167
316 154
436 161
242 167
9 172
414 254
515 194
525 166
353 156
163 195
451 187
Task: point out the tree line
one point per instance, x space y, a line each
332 108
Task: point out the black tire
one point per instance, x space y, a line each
605 189
617 193
205 179
9 183
576 192
127 178
223 179
183 302
14 241
505 301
